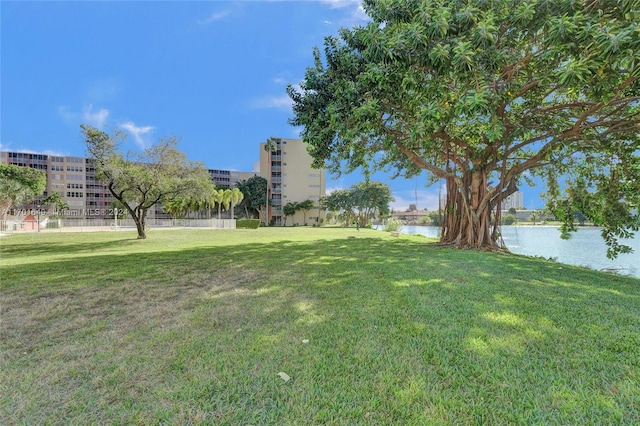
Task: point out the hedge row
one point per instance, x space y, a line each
248 223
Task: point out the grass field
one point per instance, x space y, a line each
195 327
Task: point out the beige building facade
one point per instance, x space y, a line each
288 170
292 179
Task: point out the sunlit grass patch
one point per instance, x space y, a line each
195 327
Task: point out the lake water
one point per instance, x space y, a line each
585 248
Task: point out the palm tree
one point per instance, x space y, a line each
226 198
304 206
236 197
290 209
173 207
218 198
243 187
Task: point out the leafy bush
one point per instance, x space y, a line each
248 223
393 225
509 219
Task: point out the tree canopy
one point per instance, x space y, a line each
254 199
19 184
141 180
485 95
361 203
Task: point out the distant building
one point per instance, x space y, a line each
292 179
515 200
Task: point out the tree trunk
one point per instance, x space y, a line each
468 213
139 219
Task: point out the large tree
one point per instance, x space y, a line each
236 197
254 199
290 209
361 203
18 185
140 180
485 95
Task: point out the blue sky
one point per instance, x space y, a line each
213 73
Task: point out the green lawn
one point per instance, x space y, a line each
194 327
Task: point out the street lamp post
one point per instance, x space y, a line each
38 215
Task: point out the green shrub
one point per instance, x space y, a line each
248 223
393 225
509 219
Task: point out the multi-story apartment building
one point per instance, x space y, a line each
72 177
292 179
515 200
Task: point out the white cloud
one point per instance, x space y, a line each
425 199
355 11
338 4
87 116
279 80
282 102
6 147
216 16
138 132
328 191
97 119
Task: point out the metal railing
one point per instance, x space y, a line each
85 225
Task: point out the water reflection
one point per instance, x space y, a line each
585 248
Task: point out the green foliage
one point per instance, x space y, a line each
535 216
248 223
509 219
483 95
305 206
236 197
254 192
19 185
393 225
361 203
56 201
435 217
140 180
290 209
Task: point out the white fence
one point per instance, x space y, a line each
82 225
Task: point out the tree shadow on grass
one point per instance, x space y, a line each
394 326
